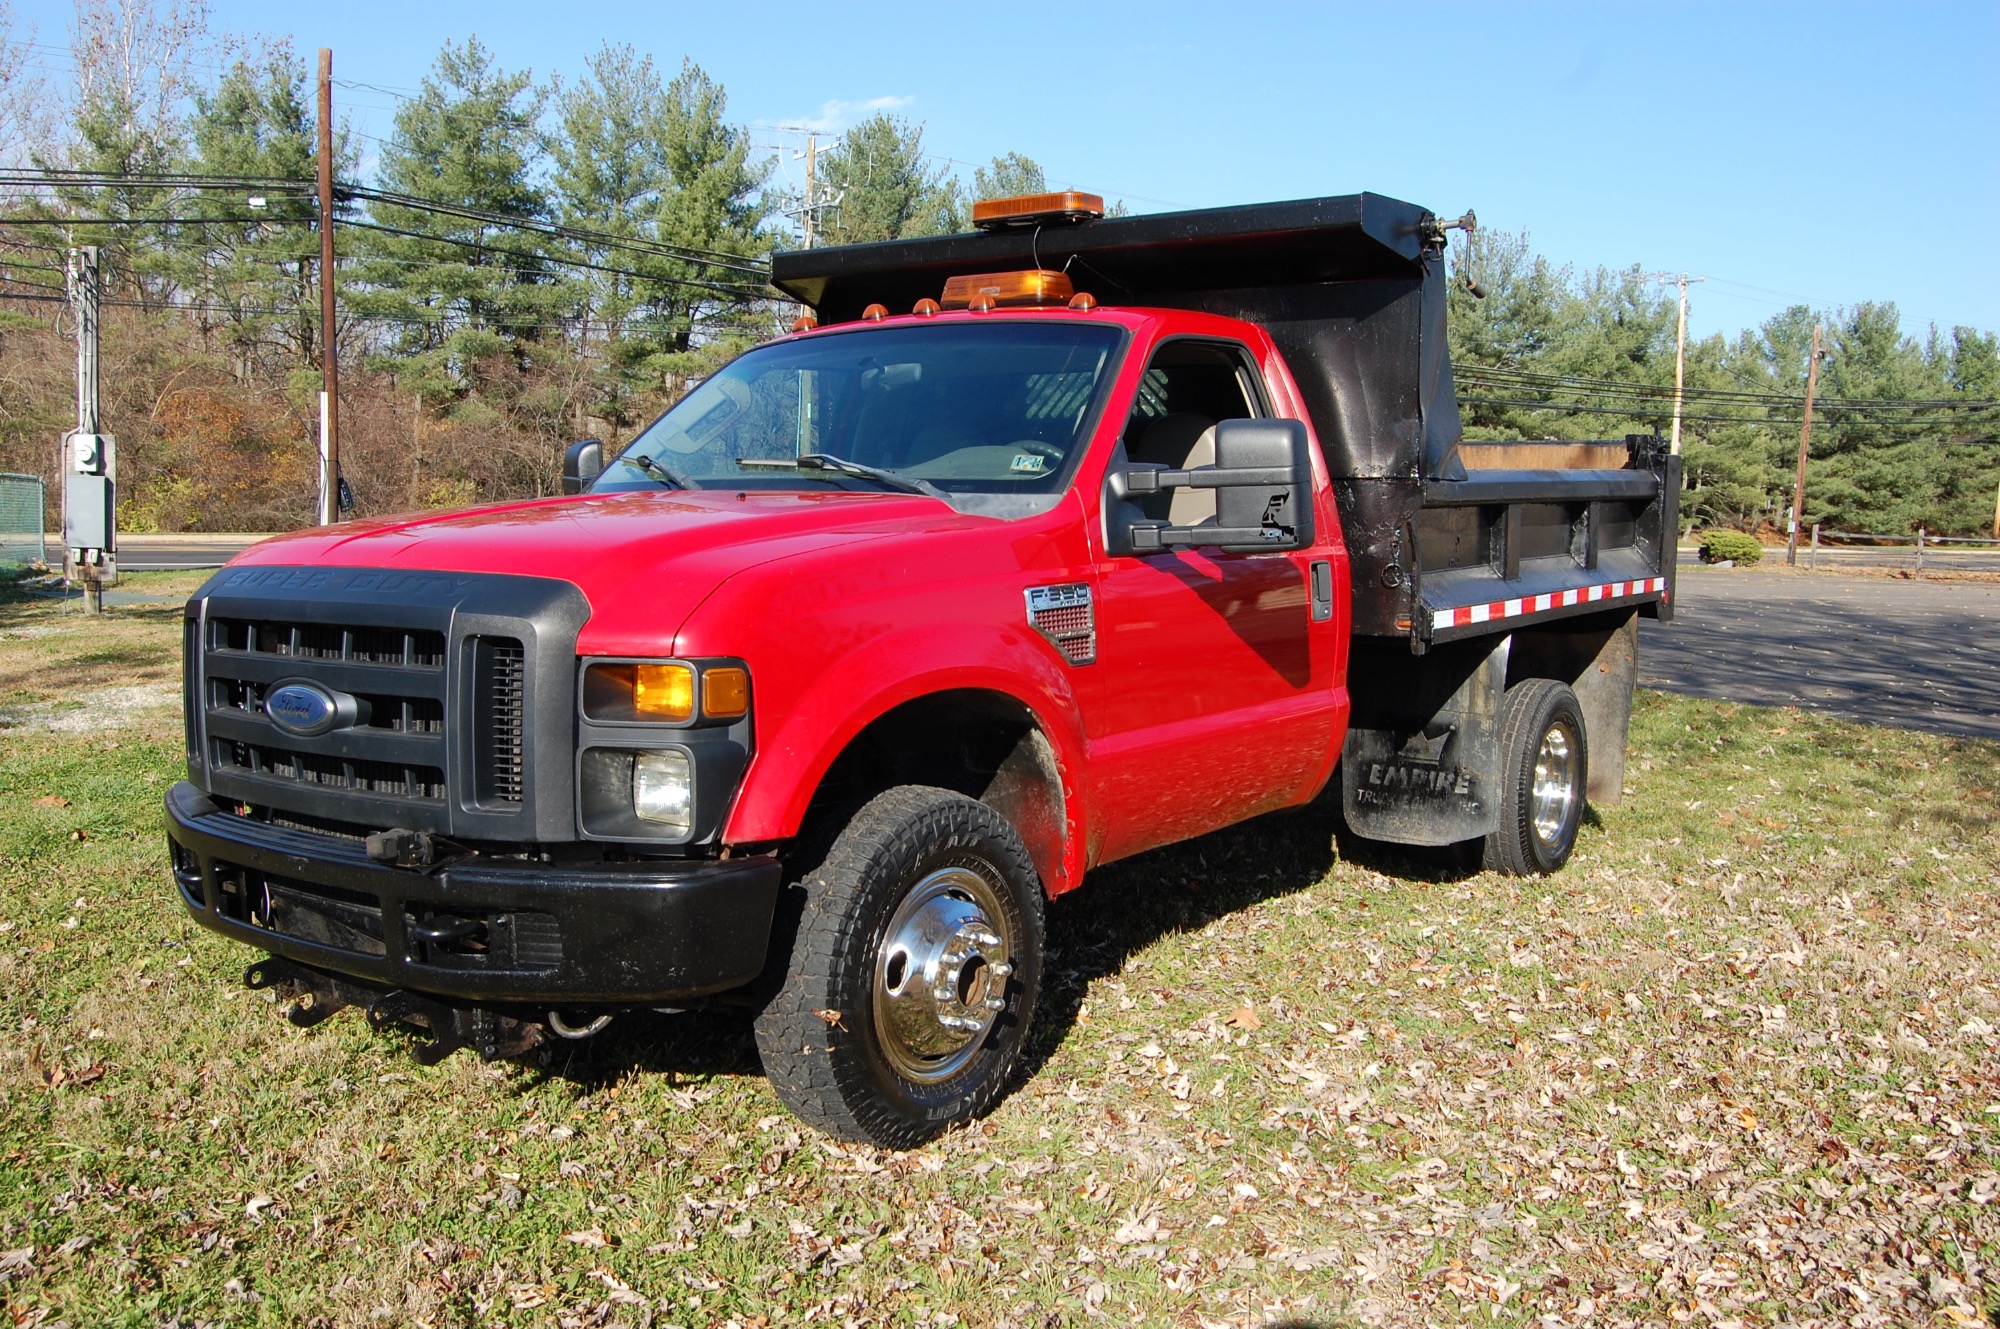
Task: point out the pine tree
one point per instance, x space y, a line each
887 192
656 165
1011 176
461 293
256 281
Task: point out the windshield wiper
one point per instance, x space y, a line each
909 484
666 475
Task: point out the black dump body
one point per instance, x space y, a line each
1352 289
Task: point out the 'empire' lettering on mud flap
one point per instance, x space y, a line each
1388 783
1424 779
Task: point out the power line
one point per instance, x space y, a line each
1529 378
350 192
559 259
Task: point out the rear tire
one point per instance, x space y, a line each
1544 770
914 973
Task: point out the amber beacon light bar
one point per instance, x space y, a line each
1036 209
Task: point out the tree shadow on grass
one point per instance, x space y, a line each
1092 932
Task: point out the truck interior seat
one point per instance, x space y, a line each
1177 441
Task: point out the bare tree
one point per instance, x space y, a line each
138 65
26 118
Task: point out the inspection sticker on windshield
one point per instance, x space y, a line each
1028 463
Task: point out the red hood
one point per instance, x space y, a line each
644 560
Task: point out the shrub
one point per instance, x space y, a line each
1730 547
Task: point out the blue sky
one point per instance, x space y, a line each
1823 153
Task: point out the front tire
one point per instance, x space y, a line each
1544 770
914 972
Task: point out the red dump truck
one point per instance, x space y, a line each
1030 549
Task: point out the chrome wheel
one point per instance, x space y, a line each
1558 771
941 974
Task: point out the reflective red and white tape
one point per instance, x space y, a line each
1466 615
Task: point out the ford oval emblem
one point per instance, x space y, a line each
304 709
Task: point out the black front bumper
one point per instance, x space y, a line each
475 929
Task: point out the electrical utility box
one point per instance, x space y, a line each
89 468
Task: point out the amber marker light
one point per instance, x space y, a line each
1084 301
1031 209
925 307
875 313
986 290
725 692
804 323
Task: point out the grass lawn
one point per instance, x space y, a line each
1738 1064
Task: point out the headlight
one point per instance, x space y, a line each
663 789
661 746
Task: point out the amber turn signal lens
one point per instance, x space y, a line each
622 693
985 290
725 693
663 692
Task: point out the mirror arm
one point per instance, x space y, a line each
1154 537
1134 480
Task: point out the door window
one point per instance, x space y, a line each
1188 388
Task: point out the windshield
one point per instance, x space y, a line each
977 411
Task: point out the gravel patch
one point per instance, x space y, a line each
110 708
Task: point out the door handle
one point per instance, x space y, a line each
1321 574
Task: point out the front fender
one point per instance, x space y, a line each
808 732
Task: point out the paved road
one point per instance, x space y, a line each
1908 654
160 553
1902 558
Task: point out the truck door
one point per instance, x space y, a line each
1217 697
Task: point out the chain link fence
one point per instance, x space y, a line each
21 538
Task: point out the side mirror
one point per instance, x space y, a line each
583 462
1263 503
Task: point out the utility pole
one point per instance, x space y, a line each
329 360
1805 438
812 158
808 206
1680 351
90 458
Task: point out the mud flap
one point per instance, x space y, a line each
1425 770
